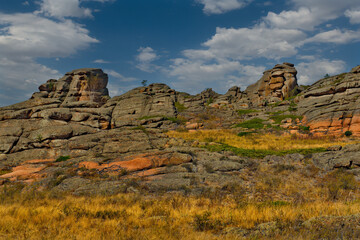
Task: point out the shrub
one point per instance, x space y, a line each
338 181
202 222
62 158
348 133
180 107
252 123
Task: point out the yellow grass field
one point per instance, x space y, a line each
134 216
258 141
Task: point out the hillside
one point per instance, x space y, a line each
274 142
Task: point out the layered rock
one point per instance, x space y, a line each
332 105
155 100
275 85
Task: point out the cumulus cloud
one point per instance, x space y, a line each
353 15
197 74
336 36
34 36
308 14
251 43
222 6
26 37
119 76
145 59
64 8
309 72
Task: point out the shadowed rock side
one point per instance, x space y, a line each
332 105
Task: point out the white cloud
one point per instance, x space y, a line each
26 37
309 72
119 76
222 6
195 74
64 8
353 15
336 36
300 19
251 43
35 36
307 14
145 58
101 61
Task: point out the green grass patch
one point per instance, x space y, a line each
255 123
260 153
180 107
62 158
246 111
304 128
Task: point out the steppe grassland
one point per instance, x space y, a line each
134 216
258 141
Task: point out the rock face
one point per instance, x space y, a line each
332 105
75 117
276 85
76 88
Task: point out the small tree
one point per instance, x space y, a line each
327 75
144 82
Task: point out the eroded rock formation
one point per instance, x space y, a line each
332 105
275 85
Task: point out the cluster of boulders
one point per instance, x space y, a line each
74 116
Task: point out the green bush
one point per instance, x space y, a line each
348 133
62 158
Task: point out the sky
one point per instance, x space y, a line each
190 45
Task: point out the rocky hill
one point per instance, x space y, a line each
73 133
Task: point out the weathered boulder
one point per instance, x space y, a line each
152 101
332 105
275 85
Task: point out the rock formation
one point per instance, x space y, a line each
74 116
332 105
276 85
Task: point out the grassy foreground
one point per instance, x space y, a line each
35 215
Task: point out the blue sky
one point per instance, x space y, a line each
188 44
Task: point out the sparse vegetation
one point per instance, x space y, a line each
180 107
62 158
246 111
255 123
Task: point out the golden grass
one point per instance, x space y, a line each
257 141
133 216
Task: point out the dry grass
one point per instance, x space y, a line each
134 216
258 141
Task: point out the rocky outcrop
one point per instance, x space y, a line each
155 100
332 105
80 87
275 85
